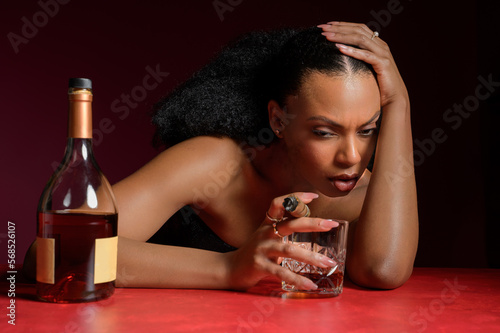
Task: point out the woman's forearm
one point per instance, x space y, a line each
386 234
148 265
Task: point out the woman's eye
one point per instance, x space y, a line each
368 132
323 134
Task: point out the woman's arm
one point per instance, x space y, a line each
149 265
158 266
149 197
385 237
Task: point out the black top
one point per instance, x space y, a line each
185 228
77 82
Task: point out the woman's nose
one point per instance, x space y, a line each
348 153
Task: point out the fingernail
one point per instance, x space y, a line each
328 34
328 224
341 46
309 285
309 195
328 262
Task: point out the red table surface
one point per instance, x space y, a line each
433 300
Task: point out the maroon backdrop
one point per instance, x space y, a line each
136 51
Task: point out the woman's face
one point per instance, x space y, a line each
332 132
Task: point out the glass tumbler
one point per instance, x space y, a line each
331 244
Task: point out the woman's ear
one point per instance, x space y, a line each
276 118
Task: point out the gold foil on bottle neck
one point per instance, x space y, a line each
80 114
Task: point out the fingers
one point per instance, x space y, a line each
276 225
276 251
353 34
296 253
347 27
287 250
270 251
357 38
350 24
284 274
369 48
305 224
296 207
363 55
359 42
276 209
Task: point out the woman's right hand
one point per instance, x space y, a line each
261 255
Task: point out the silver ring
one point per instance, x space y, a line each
375 34
276 232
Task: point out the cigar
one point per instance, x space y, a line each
297 208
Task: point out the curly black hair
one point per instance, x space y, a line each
229 96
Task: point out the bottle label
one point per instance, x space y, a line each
106 255
105 260
45 260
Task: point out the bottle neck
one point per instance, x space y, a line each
79 149
80 114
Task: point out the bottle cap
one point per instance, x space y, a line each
80 83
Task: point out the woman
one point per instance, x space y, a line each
324 109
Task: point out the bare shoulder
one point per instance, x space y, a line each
211 149
165 184
187 164
201 155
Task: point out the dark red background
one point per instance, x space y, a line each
441 48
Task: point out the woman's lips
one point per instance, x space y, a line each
345 183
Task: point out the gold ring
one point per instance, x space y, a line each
276 232
308 211
272 219
375 34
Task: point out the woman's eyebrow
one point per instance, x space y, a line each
335 124
372 119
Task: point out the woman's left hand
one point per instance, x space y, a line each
372 50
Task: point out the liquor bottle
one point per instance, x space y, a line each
77 216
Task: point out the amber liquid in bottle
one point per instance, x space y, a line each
77 217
